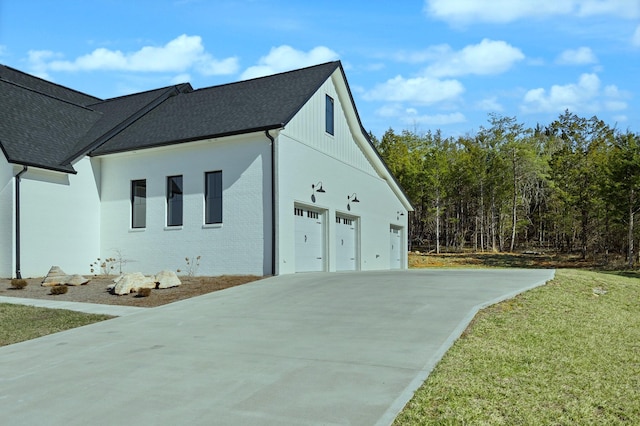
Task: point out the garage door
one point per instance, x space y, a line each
346 243
395 248
309 240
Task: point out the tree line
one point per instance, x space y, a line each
572 186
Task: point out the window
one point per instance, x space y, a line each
174 201
213 197
329 115
138 203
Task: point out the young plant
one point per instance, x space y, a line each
144 292
18 283
59 289
106 266
192 265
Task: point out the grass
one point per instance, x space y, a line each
20 323
563 354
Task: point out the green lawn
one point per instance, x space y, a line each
567 353
21 323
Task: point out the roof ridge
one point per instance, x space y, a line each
180 87
297 70
30 89
47 81
166 94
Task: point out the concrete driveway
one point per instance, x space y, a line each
306 349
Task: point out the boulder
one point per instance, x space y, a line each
75 280
167 279
129 283
55 276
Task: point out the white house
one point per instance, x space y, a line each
273 175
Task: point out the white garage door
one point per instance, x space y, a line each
396 245
346 244
309 240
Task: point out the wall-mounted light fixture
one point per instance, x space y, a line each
353 198
316 188
398 214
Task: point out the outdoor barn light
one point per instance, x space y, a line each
398 214
316 188
353 198
319 186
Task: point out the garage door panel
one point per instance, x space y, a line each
395 245
309 240
346 244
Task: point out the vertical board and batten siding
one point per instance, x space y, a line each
241 244
308 127
7 207
60 220
306 155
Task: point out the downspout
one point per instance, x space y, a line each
273 202
24 170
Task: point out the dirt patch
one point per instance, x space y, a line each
95 291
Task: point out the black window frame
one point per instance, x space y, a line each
138 203
175 200
213 197
329 111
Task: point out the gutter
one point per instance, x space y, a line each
24 170
273 202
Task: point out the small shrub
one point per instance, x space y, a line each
18 283
59 289
192 265
144 292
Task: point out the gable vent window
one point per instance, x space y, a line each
139 203
329 115
213 197
174 201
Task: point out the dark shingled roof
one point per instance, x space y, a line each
46 87
39 130
252 105
49 126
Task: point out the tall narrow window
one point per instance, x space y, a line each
329 115
174 201
213 197
138 203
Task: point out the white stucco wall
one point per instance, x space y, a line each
60 220
6 218
306 155
240 245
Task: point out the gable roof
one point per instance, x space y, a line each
50 126
242 107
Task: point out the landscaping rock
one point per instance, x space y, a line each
55 276
129 283
75 280
167 279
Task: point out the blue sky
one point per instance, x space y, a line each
419 65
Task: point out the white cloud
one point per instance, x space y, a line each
502 11
420 90
583 96
179 55
490 104
286 58
434 120
181 78
579 56
635 39
487 57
